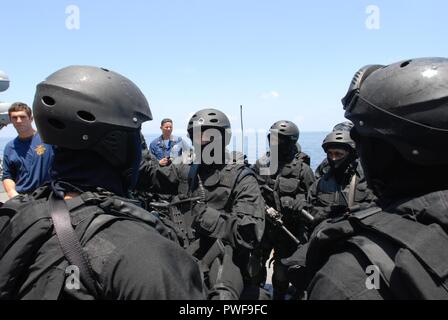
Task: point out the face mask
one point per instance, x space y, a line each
343 159
285 147
337 164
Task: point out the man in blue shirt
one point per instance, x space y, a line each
26 159
166 147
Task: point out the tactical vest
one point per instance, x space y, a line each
218 261
404 251
286 181
218 193
27 233
353 190
219 185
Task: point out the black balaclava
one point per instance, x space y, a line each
389 175
286 148
88 170
340 165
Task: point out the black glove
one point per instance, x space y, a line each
292 204
287 203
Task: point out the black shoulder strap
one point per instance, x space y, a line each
376 255
70 244
426 242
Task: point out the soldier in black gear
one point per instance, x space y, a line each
285 180
397 250
323 167
149 195
82 224
227 213
343 186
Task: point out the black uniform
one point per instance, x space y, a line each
398 249
338 254
290 184
233 210
115 249
132 255
333 194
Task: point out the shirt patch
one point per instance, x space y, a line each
40 149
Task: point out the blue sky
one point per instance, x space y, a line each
279 59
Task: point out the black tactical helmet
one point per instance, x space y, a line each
287 129
4 81
404 104
343 126
83 107
210 118
338 138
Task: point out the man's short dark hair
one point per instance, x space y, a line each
165 121
20 106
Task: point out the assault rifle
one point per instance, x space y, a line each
172 212
275 218
303 213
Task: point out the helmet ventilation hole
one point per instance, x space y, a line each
214 120
86 116
404 64
48 101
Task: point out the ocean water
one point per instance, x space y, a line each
255 145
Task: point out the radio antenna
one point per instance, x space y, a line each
242 129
